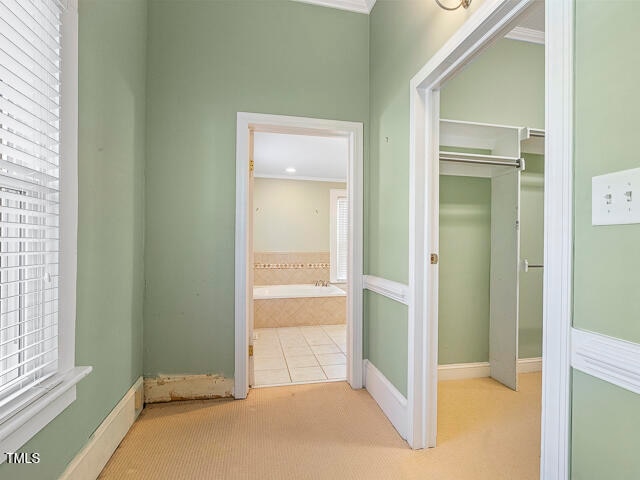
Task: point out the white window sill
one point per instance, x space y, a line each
53 396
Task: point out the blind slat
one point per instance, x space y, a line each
13 69
26 87
39 22
30 347
29 118
27 131
22 101
25 142
6 342
20 27
24 54
6 386
52 315
18 183
31 396
17 282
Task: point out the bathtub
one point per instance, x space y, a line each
298 305
295 291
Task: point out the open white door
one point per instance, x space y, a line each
505 273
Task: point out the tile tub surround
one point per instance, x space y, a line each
285 356
296 312
289 268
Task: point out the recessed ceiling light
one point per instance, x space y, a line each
290 170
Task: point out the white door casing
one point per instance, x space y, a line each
353 131
490 21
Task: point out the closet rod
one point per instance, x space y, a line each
480 159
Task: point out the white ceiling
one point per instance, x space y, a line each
313 157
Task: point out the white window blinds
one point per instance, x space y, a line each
342 231
339 244
29 192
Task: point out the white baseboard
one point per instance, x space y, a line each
90 461
530 365
187 387
462 371
390 400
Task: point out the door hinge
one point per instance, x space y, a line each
251 350
251 166
434 259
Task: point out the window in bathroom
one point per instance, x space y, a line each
339 245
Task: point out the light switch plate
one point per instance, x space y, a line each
615 198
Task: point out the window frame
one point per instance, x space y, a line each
36 408
334 195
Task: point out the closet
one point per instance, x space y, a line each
496 152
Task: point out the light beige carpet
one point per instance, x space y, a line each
329 431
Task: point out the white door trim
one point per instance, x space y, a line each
353 131
492 19
558 242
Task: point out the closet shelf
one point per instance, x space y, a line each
499 139
533 141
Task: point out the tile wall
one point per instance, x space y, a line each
290 268
296 312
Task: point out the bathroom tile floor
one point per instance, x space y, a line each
292 355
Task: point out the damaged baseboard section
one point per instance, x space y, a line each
169 388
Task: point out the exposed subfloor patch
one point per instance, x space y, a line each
295 355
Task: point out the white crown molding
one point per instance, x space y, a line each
387 288
526 35
359 6
610 359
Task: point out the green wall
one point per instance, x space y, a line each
112 37
388 320
206 62
465 260
404 34
606 430
504 85
606 258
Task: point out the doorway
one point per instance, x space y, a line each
490 22
300 251
254 130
